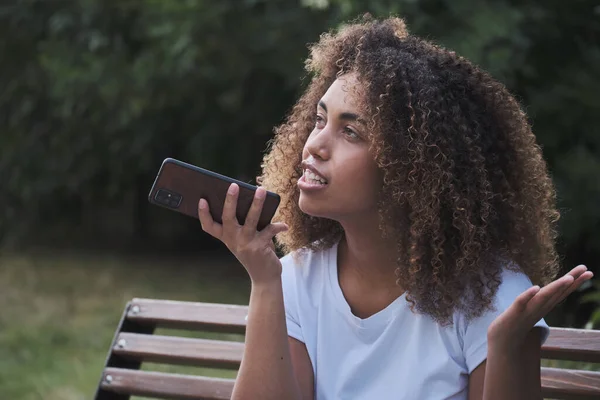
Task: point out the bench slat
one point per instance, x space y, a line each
166 386
178 350
558 383
572 344
188 315
562 344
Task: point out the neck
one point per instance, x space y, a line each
366 268
363 250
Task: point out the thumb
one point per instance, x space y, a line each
524 298
273 229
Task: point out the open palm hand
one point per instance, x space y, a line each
509 330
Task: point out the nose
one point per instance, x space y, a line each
318 144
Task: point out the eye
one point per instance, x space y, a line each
351 133
319 121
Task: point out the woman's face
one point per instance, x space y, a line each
340 179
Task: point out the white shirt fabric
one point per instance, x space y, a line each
393 354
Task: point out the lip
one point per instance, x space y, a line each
311 187
305 186
306 165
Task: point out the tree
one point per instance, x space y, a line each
97 93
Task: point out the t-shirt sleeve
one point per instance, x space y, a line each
475 334
290 297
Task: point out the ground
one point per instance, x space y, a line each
59 312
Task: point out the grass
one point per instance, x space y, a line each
59 312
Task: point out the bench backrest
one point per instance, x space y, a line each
135 343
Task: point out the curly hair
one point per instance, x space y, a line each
464 181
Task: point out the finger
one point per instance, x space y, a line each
255 210
208 224
572 276
569 282
586 275
577 271
557 292
538 305
230 206
524 298
549 293
272 229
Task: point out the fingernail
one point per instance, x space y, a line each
260 193
202 204
232 189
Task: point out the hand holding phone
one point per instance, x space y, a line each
237 213
179 186
254 249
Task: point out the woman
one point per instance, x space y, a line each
416 213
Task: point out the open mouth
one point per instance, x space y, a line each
314 179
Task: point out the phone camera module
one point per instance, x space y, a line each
168 198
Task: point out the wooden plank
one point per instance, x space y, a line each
178 350
189 315
111 361
166 386
570 384
101 394
556 384
572 344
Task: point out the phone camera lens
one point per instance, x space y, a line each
167 198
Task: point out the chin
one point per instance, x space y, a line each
309 208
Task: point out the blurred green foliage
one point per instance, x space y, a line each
95 93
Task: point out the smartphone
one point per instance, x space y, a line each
179 186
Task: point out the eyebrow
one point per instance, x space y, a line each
345 115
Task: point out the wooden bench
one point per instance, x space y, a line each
135 343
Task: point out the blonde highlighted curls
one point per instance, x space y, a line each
465 185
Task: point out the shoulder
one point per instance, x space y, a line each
304 264
510 281
513 282
303 277
294 264
304 272
473 332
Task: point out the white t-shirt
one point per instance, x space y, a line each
393 354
